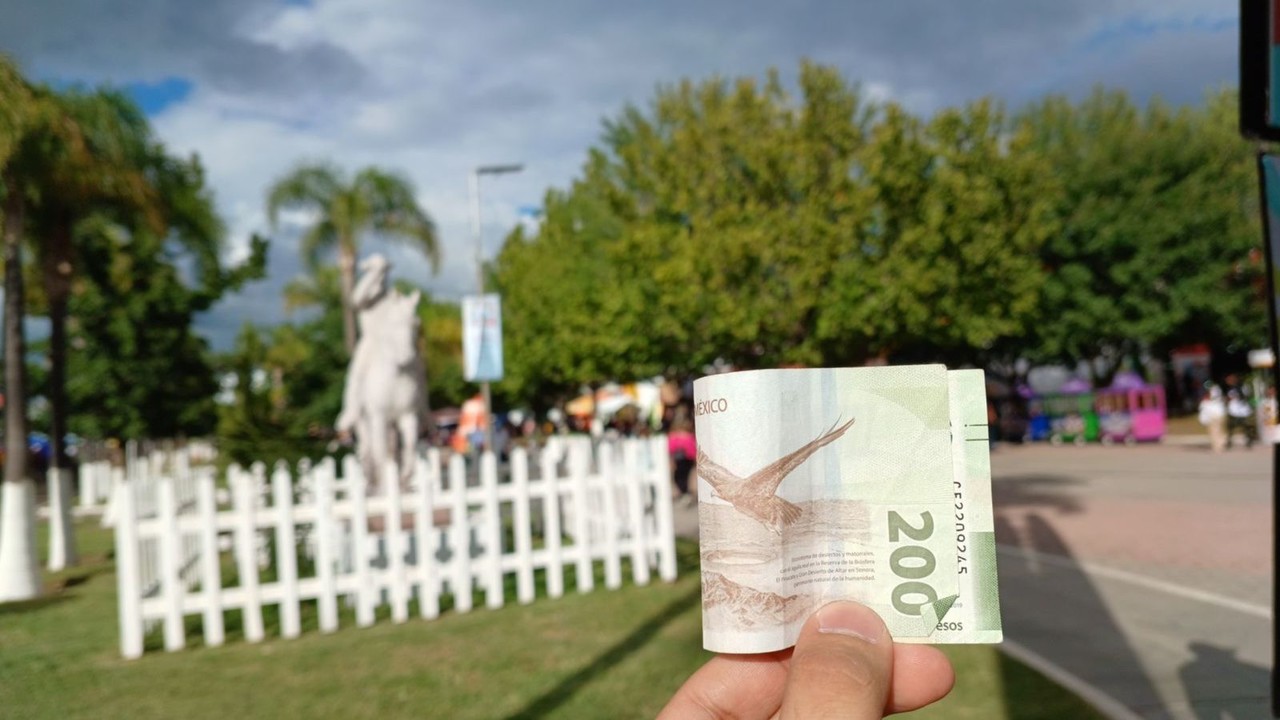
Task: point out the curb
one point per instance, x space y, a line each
1105 704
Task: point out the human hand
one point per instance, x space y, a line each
844 665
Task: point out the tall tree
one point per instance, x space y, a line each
99 163
138 369
704 227
19 569
94 154
1158 210
563 302
442 350
733 222
374 201
738 200
943 264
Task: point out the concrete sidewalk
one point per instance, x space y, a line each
1142 572
684 516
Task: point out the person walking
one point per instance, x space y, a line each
1268 415
682 448
1240 417
1213 416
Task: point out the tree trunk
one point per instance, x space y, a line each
347 278
19 570
56 262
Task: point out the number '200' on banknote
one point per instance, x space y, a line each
871 484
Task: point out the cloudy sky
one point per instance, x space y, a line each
435 88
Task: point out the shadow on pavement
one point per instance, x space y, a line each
1036 491
1052 608
1217 673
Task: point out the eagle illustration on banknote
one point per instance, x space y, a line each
756 495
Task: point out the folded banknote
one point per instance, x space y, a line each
871 484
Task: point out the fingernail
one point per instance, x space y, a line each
850 618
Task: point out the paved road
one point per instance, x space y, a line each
1141 572
1145 572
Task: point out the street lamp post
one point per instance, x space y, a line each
474 187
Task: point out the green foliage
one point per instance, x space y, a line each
562 299
115 220
15 109
442 348
1159 242
944 255
703 229
740 199
733 222
253 427
136 369
91 155
94 149
288 379
730 221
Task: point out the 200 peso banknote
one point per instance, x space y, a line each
871 484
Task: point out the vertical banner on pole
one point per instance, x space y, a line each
482 338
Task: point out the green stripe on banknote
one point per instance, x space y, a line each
986 603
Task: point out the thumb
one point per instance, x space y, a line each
841 667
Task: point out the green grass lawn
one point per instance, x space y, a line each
606 654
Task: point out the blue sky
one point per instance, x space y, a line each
433 88
155 97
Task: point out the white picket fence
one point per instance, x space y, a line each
583 507
98 478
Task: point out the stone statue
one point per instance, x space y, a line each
386 386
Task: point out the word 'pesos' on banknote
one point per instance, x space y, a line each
871 484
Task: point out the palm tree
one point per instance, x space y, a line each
90 162
19 572
96 158
375 201
14 108
73 162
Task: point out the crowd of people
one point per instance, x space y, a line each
466 431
